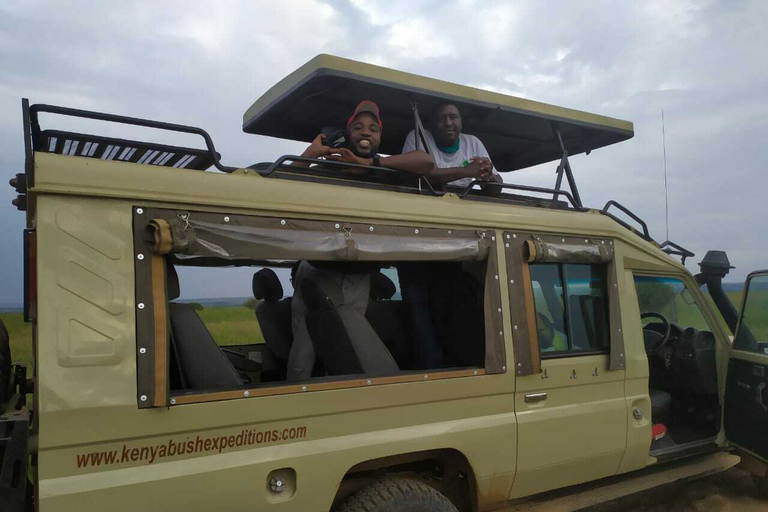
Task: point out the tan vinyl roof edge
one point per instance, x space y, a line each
330 63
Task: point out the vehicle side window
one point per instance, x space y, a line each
327 302
571 308
670 298
752 335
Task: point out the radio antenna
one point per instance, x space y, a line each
666 189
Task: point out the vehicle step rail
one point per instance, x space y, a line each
604 491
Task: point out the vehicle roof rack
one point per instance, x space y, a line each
122 150
149 153
125 150
673 249
645 234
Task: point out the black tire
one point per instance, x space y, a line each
5 364
397 495
761 482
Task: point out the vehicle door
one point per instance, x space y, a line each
569 361
746 392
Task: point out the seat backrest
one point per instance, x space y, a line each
202 363
588 324
579 334
389 318
344 340
273 313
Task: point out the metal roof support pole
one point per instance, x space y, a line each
559 180
418 129
565 166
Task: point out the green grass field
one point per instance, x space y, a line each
757 312
232 326
21 337
228 326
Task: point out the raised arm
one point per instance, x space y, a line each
315 150
416 162
441 176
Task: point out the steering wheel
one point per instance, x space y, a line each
657 340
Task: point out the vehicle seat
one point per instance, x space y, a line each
344 340
661 404
579 334
273 314
389 320
201 363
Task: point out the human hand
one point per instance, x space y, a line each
473 169
347 156
317 148
486 167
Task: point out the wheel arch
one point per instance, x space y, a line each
448 470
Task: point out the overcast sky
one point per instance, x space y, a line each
203 64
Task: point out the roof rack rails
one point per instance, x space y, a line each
381 175
645 234
106 148
527 188
673 249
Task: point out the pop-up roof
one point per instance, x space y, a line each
517 132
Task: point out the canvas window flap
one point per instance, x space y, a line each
495 352
524 335
203 235
540 251
152 322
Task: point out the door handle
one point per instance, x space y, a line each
535 397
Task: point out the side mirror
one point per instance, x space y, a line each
752 329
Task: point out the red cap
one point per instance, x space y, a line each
365 106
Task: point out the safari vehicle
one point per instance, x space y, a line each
581 360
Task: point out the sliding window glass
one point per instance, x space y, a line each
571 308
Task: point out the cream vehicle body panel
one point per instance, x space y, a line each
86 341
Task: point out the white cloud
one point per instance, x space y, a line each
417 39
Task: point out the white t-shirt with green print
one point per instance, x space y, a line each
469 146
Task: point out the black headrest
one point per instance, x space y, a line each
382 287
172 281
321 293
266 286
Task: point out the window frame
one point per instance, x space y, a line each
740 339
153 321
519 250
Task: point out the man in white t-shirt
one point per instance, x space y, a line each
459 157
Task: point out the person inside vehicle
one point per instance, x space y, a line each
364 128
363 134
459 157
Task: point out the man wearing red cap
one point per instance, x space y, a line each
363 137
364 129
